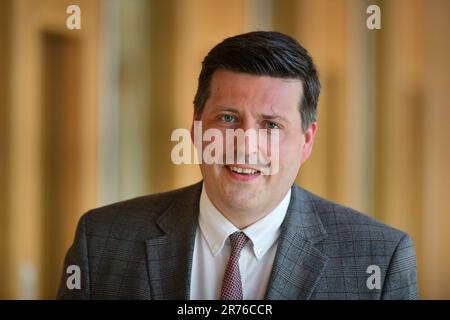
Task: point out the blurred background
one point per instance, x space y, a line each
86 115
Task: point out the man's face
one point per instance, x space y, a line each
244 101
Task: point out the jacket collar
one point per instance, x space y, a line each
169 255
298 264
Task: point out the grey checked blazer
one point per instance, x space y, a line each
142 249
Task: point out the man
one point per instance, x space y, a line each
242 234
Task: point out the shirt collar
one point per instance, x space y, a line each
263 233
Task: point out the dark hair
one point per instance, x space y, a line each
263 53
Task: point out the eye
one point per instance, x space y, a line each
228 118
272 125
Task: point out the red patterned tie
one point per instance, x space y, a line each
232 285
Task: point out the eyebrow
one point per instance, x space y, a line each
273 116
221 109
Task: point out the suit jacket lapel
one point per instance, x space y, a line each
298 263
169 255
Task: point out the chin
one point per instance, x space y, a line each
242 198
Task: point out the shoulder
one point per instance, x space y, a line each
346 224
139 211
358 245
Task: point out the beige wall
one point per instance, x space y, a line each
433 220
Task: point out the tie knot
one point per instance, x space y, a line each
238 241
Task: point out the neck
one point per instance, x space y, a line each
242 220
240 217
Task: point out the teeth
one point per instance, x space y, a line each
243 170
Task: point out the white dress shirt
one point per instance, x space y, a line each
212 250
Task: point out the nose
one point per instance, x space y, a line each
247 147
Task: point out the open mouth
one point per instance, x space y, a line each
243 172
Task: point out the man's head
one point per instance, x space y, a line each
257 80
266 54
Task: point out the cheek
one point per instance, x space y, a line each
291 150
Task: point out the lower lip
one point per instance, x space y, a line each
241 177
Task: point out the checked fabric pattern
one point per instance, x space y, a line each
141 249
232 283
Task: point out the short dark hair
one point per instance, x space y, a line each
263 53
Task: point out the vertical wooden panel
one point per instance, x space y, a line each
258 15
434 264
399 119
25 251
412 133
398 112
89 101
30 20
285 16
360 105
5 60
108 110
134 115
162 93
61 157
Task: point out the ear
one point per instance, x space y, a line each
308 136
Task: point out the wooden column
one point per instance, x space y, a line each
31 20
434 262
5 63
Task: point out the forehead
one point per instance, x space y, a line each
242 90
